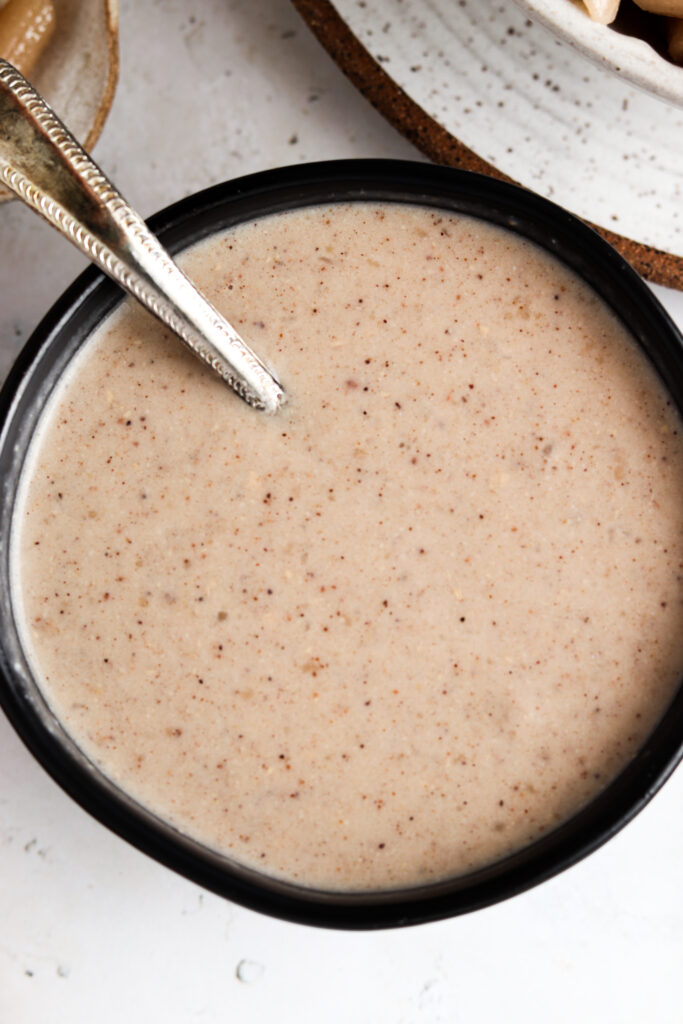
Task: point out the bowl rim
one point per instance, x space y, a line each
90 298
633 59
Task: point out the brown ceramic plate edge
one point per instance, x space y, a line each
432 139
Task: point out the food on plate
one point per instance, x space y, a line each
672 8
605 12
674 31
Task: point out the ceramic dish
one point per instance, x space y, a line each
630 57
481 86
39 367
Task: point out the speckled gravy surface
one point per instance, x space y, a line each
406 626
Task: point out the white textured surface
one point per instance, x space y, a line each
90 930
536 109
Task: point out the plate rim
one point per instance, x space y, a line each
435 141
634 60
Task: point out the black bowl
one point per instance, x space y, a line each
34 376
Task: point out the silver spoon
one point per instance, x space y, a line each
47 168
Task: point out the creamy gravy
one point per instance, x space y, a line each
406 626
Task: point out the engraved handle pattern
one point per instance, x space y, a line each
47 168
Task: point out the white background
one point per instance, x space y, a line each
93 931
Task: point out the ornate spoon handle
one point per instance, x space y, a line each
47 168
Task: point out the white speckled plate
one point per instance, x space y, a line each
632 58
535 108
